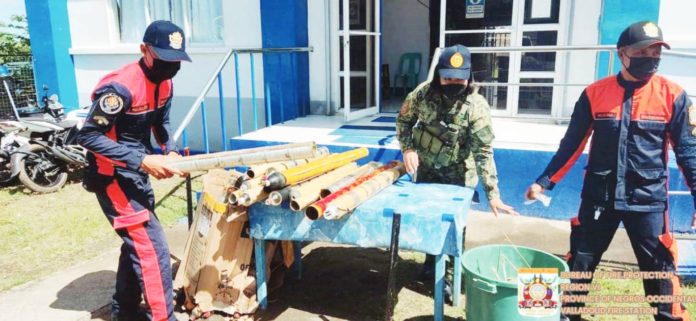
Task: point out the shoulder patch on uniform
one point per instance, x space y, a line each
110 103
404 108
692 115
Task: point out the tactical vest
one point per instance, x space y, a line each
440 139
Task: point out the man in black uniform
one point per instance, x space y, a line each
634 116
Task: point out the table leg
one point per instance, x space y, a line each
393 258
260 261
458 273
297 266
189 200
457 280
439 287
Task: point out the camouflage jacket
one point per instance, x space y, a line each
475 138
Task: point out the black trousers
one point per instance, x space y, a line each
653 245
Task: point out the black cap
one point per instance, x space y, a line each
166 40
640 35
455 62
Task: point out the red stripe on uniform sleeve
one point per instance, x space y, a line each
566 167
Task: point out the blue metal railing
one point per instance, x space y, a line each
199 103
223 115
253 94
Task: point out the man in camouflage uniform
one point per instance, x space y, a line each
446 134
445 130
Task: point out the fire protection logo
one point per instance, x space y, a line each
537 291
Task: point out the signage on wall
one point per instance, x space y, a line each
475 9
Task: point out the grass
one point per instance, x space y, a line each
43 233
629 287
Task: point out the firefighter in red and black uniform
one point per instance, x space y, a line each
128 106
634 116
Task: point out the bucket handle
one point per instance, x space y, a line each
485 286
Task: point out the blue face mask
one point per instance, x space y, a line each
643 67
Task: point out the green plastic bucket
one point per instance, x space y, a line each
491 281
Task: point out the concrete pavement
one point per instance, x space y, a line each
81 292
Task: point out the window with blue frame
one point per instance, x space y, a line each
201 20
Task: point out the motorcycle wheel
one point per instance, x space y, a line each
41 174
5 170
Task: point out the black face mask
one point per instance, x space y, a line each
643 67
161 70
452 91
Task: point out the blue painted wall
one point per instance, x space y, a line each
616 16
284 24
49 31
517 169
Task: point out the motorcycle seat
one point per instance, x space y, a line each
40 121
34 118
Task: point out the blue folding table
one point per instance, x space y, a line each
432 220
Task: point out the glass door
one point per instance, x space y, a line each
540 25
484 25
359 40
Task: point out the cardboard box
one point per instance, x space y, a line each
215 271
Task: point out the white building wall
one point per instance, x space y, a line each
319 59
97 49
676 21
583 30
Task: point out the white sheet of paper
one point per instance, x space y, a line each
545 200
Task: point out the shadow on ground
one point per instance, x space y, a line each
348 283
72 296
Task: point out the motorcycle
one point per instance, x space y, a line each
10 142
10 126
44 164
46 152
50 109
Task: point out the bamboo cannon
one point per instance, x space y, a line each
248 197
343 182
249 156
249 192
265 169
347 202
248 150
276 198
306 193
300 173
316 210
